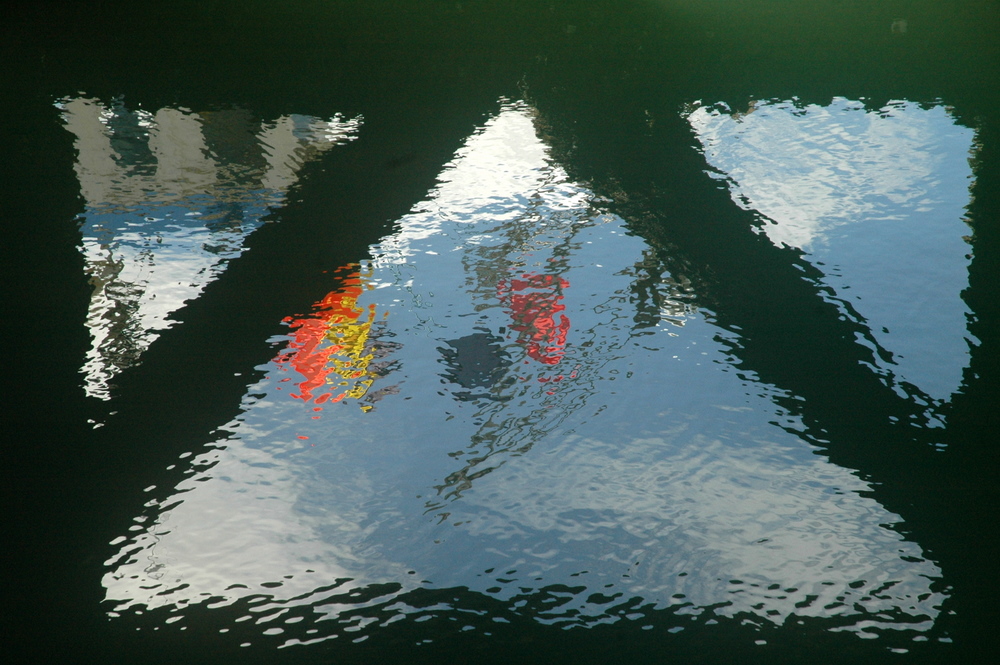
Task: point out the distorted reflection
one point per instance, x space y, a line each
875 199
477 360
170 198
534 300
570 473
333 347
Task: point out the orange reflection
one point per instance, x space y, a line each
330 346
534 300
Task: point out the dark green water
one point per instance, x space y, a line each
516 331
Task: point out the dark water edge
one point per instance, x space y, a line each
424 76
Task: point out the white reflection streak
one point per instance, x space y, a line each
164 213
651 517
877 201
232 536
496 175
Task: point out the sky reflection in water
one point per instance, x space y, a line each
526 431
876 200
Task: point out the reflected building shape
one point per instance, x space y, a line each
875 200
477 474
170 198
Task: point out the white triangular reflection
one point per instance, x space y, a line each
876 200
504 316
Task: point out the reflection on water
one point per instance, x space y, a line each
534 300
876 200
170 198
567 473
335 340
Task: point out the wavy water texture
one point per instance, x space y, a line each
875 199
612 469
171 197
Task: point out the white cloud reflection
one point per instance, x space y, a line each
876 200
710 511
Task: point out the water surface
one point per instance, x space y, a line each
391 333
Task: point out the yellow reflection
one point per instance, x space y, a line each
330 348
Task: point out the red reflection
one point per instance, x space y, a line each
331 340
534 302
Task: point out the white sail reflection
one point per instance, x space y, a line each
170 198
876 200
540 442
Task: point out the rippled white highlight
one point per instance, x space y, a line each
502 170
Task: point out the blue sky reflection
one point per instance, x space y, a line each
875 199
